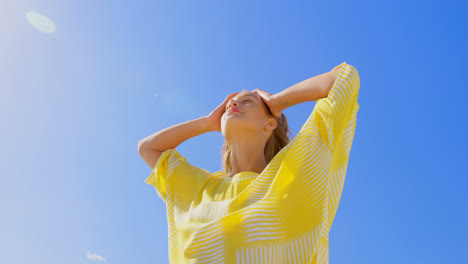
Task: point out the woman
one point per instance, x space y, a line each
276 199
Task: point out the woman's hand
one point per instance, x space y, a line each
215 116
270 101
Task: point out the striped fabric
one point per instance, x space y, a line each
282 215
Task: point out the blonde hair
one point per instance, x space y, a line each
278 139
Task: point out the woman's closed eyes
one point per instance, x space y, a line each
246 100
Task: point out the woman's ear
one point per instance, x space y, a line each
272 123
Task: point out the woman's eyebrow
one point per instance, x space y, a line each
244 95
248 95
251 95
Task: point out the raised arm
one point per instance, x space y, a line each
308 90
151 147
173 136
335 93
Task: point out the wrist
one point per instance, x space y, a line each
280 102
206 124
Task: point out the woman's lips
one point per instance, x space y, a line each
232 110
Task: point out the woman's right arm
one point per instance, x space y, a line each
151 147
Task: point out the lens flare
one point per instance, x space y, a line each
40 22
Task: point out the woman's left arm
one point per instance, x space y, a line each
308 90
336 93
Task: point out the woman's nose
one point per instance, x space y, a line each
232 103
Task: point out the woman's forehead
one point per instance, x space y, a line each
246 94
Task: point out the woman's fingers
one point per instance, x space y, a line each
268 99
229 97
262 93
223 105
256 91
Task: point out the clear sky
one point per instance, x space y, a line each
80 89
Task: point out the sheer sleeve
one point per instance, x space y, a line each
331 124
315 161
335 114
173 176
335 118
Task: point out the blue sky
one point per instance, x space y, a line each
74 103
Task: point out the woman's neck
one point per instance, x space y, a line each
247 157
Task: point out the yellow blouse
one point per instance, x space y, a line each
283 214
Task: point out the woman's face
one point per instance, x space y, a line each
250 118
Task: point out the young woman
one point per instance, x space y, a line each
276 198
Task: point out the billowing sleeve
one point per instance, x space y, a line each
316 159
174 176
335 115
331 124
335 118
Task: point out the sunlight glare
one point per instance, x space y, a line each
40 22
